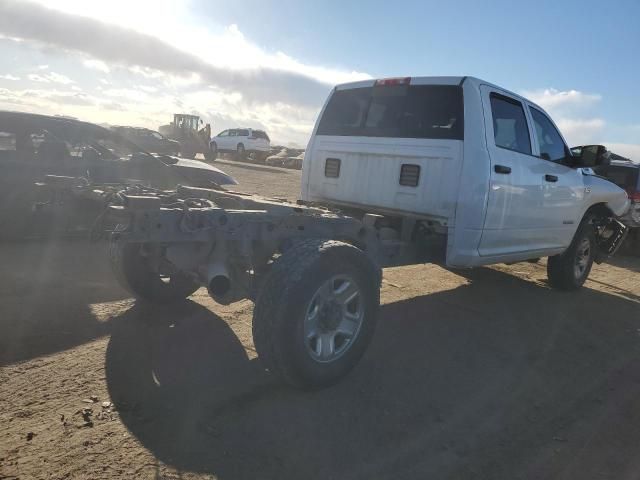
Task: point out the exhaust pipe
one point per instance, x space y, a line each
219 284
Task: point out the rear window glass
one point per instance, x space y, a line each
401 111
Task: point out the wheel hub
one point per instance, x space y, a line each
583 255
330 316
333 319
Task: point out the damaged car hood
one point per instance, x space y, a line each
196 171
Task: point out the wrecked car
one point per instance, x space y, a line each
149 140
33 146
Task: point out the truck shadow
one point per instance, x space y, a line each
630 262
471 382
50 296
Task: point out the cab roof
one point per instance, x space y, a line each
435 80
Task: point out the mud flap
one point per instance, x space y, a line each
610 236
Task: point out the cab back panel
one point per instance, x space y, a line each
406 175
398 146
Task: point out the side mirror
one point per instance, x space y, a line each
590 156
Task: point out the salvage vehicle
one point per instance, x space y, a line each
242 142
149 140
185 129
397 171
33 146
626 174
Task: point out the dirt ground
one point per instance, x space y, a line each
483 374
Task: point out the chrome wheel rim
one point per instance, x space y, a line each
583 254
333 319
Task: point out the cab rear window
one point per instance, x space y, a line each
400 111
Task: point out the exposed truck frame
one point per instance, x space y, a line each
409 170
313 272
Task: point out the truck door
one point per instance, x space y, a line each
515 219
563 193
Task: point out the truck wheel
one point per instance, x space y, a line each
133 273
316 313
570 270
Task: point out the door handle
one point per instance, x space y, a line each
502 169
551 178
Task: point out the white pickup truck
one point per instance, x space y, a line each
467 159
397 171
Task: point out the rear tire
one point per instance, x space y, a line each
133 273
341 285
571 269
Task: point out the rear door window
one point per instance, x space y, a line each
242 133
510 129
401 111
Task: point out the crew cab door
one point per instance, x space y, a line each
515 219
563 192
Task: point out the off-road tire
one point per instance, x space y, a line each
132 273
561 268
283 300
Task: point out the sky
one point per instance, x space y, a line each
267 64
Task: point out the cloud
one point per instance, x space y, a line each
626 150
9 77
581 131
553 99
181 65
114 44
94 64
40 98
50 77
570 109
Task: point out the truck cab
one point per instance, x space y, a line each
458 157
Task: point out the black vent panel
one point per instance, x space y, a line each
410 175
332 168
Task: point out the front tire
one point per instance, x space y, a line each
133 272
316 313
571 269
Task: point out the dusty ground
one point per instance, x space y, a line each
486 374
